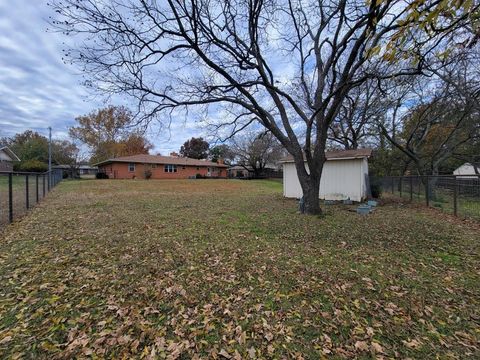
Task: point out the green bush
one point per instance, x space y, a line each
147 174
31 166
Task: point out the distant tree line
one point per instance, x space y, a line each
32 149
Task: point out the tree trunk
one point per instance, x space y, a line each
310 183
310 197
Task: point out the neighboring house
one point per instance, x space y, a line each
87 170
7 158
344 176
68 170
466 169
160 167
242 172
238 171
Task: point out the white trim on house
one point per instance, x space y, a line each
9 154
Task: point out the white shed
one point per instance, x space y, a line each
466 169
344 176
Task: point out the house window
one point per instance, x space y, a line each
169 168
131 167
153 166
198 167
183 167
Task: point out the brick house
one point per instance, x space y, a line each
160 167
7 158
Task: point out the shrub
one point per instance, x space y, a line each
147 174
199 176
31 166
376 190
101 175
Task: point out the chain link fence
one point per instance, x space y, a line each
21 191
458 195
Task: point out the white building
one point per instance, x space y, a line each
344 176
466 169
7 158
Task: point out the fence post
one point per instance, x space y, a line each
10 197
427 191
43 182
400 185
455 196
393 185
27 193
36 187
411 188
48 181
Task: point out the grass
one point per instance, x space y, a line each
18 195
468 206
218 268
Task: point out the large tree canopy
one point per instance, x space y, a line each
221 152
109 133
195 148
256 151
287 65
440 117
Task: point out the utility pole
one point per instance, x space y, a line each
50 154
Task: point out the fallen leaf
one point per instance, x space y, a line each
376 347
413 344
5 339
225 354
361 346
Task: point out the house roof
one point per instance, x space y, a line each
240 167
157 159
341 155
10 153
81 167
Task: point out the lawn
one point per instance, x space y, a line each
18 195
468 205
228 269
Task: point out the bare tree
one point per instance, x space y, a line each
355 125
255 151
443 119
288 65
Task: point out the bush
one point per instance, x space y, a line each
31 166
101 175
199 176
147 174
376 190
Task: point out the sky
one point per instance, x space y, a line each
38 90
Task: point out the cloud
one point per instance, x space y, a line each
38 90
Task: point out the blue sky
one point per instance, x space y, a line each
38 90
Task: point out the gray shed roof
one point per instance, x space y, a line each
341 155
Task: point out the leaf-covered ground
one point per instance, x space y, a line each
228 269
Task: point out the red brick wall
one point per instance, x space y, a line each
120 171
